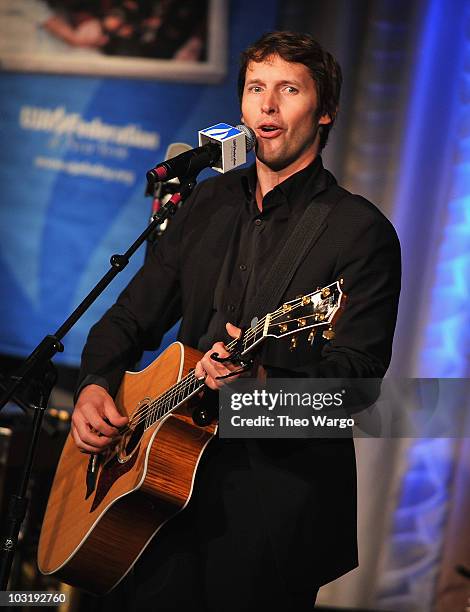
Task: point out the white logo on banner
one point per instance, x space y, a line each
59 122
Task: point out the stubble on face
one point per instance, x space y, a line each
282 96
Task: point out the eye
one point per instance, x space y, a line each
291 89
254 88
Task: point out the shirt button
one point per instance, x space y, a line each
242 267
258 222
231 307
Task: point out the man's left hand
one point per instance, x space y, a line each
208 370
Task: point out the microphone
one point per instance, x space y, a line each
223 148
161 192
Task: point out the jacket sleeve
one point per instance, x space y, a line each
371 268
369 262
144 311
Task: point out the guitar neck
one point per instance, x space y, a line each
316 309
189 385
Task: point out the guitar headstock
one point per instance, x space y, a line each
317 309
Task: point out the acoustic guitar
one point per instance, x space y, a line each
104 509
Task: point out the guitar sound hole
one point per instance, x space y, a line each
135 437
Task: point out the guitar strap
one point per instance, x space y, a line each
307 231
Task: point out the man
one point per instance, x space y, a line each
269 521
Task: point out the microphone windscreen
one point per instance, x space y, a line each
250 136
176 148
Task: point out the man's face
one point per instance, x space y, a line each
280 104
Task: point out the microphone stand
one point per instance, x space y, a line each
39 372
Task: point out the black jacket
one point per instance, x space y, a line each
308 487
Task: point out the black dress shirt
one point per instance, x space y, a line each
257 238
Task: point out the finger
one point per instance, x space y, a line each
199 372
114 417
212 384
82 446
218 369
219 381
214 370
233 331
220 349
87 436
210 370
97 440
99 425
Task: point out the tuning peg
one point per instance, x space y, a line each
328 334
325 292
311 336
293 343
301 322
283 328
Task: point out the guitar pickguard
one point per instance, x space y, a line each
110 473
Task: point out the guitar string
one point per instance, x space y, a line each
165 400
164 403
167 397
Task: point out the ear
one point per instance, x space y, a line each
324 120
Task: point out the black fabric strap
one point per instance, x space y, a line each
309 228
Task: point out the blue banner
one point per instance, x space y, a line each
74 152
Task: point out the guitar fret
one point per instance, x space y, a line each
166 407
162 408
157 410
150 419
146 424
180 395
259 329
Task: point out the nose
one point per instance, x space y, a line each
269 103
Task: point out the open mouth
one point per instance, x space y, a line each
269 130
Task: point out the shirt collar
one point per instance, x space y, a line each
304 184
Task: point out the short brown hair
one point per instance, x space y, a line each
303 49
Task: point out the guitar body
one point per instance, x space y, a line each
92 542
98 523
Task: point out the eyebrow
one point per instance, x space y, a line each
283 82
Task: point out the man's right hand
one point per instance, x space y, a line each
90 431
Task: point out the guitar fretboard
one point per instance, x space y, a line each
190 385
